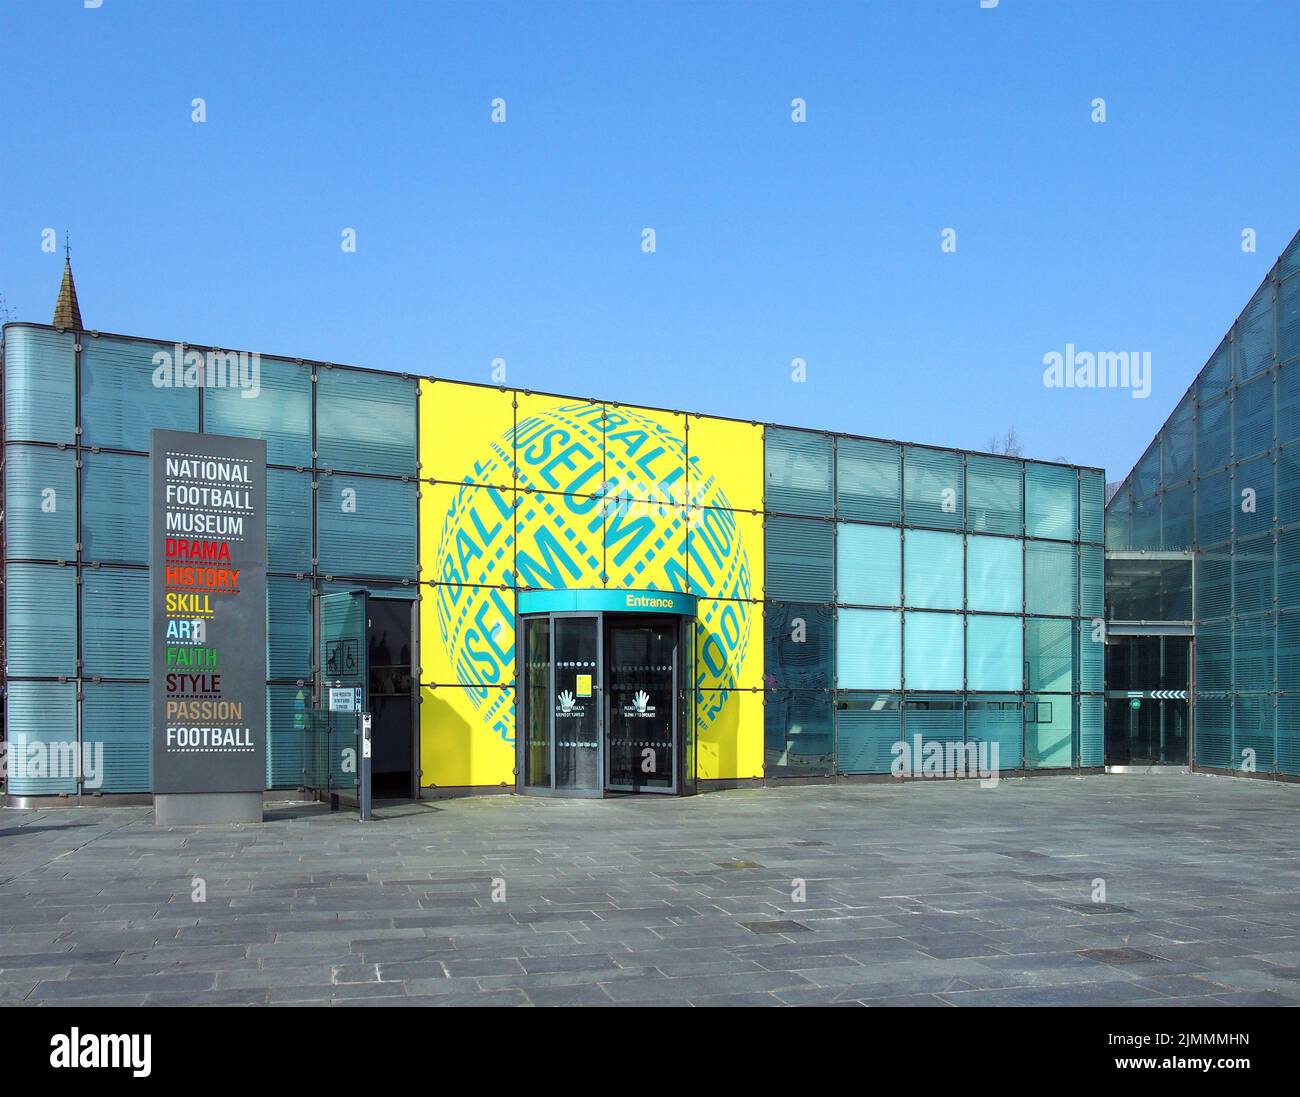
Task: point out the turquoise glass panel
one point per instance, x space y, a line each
39 385
867 480
115 508
868 726
933 650
286 735
288 627
1000 721
800 559
116 715
1092 658
277 408
288 520
869 569
938 718
799 646
1049 731
1092 505
40 621
995 574
799 472
115 623
799 731
42 715
365 422
1051 502
1092 580
40 503
120 404
993 495
994 652
1092 742
933 488
1049 578
366 527
1049 654
932 569
869 649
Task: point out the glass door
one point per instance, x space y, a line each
560 723
641 710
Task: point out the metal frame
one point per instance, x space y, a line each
681 785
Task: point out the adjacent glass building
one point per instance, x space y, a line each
1217 496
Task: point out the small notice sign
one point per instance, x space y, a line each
342 700
583 686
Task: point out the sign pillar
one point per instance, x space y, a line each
208 610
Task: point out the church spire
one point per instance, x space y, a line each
67 313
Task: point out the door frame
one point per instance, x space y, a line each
414 700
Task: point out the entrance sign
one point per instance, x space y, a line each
208 596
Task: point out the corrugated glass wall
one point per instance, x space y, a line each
341 512
925 595
1223 477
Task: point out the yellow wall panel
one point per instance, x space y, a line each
725 549
726 463
729 734
645 545
465 433
559 445
645 453
470 635
466 736
560 541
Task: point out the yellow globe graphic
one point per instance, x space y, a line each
603 499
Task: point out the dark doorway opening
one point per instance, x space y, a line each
641 703
389 631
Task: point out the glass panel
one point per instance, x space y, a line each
932 488
115 508
869 649
800 733
1213 434
1049 578
1092 580
994 653
800 554
1092 505
1253 418
288 520
1092 719
932 569
40 608
43 713
869 724
1254 335
39 381
537 702
867 480
993 495
115 718
800 646
115 623
933 654
286 735
120 404
995 577
366 526
1176 443
1049 654
365 422
997 721
1049 731
869 565
938 719
40 503
1051 502
288 627
799 472
641 660
278 409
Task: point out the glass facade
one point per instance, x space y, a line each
918 591
342 499
1223 478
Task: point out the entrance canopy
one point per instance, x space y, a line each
602 600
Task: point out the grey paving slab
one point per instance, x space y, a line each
930 894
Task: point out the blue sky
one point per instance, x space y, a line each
775 240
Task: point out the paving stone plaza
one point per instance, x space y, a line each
928 894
